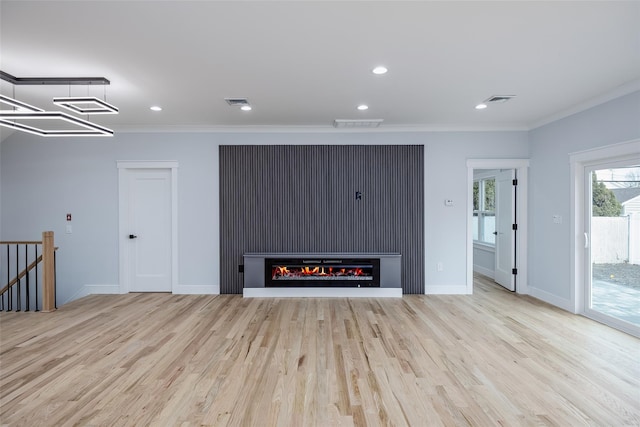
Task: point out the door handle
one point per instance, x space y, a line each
133 236
586 240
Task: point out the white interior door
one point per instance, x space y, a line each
148 230
505 234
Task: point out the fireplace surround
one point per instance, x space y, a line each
322 274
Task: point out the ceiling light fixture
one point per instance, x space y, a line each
37 81
155 108
246 108
86 105
481 106
25 112
362 107
8 119
379 70
18 105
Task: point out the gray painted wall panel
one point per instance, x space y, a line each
302 199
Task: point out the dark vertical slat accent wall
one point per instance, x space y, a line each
303 199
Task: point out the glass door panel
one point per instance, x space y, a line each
613 233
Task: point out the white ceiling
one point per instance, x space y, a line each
303 64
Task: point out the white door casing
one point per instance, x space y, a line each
505 234
148 226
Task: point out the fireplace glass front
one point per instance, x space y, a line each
316 272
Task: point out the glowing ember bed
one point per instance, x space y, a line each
330 274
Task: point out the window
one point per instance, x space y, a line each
484 211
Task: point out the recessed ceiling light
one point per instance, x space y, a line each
481 106
246 108
362 107
155 108
379 70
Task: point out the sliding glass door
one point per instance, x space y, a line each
612 243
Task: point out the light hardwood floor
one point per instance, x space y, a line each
490 359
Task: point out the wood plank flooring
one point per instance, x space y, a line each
490 359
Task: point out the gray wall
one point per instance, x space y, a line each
550 186
484 260
288 198
43 179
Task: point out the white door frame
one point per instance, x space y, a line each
124 166
522 173
580 162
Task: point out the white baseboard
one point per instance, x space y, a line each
322 292
550 298
446 290
196 290
87 290
484 271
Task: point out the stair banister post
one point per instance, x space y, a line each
48 272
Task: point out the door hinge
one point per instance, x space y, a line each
514 271
514 226
515 182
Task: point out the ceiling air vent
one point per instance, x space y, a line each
356 124
237 102
498 99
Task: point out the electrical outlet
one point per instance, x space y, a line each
440 267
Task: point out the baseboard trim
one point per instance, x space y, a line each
484 271
87 290
550 298
322 293
446 290
196 290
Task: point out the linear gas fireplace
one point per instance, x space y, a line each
333 274
322 272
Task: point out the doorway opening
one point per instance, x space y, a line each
494 225
497 222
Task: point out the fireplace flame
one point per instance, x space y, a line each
310 271
283 271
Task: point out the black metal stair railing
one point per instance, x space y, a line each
21 272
